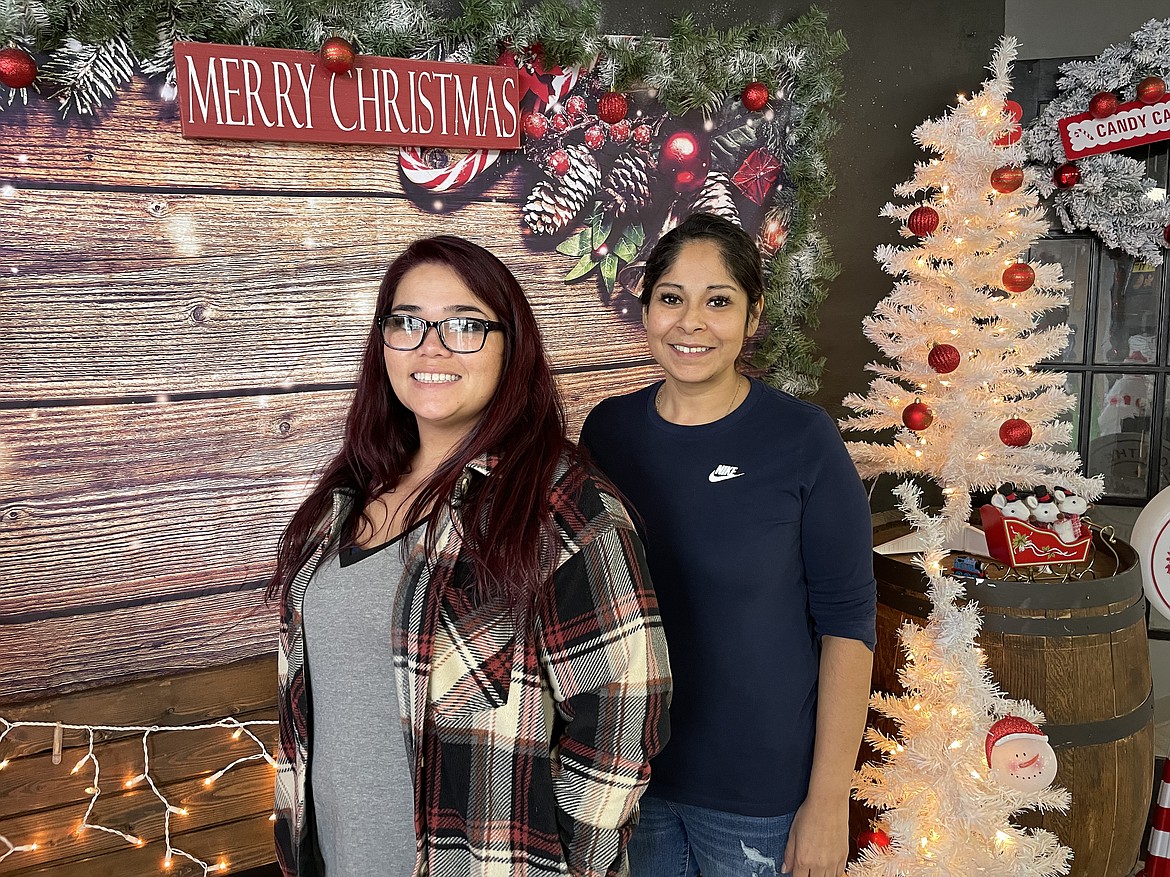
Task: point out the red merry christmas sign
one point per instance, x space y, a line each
1133 124
253 93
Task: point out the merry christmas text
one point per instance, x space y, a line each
253 93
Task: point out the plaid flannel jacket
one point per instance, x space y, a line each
531 743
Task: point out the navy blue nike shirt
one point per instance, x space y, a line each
758 537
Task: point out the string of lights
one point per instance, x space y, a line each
238 729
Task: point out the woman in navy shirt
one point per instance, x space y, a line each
758 539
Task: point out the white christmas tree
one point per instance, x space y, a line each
945 811
960 327
961 331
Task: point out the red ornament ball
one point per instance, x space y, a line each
1103 104
612 107
595 137
558 162
643 135
1015 433
872 837
917 416
1006 180
687 158
619 132
17 68
944 358
754 96
535 125
560 121
576 107
1166 235
680 152
1013 134
1018 276
923 221
337 55
1067 175
1151 89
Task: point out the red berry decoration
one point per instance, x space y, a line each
1151 89
17 68
1067 175
1006 180
923 221
754 96
619 132
535 125
560 121
917 416
337 55
643 135
1103 104
1015 433
595 137
575 107
1018 276
944 358
558 162
872 837
612 107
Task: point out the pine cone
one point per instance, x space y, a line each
715 197
628 185
553 203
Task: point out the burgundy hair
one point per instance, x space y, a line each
505 519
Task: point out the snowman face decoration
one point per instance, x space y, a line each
1024 762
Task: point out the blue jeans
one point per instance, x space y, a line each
681 840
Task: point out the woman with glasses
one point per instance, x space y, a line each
488 674
758 536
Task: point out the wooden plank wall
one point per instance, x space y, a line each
179 325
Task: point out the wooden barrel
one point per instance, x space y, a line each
1078 652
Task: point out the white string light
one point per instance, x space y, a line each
94 790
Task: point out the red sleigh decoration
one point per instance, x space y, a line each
1018 543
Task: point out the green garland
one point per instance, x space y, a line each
91 49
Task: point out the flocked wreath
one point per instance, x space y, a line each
1109 194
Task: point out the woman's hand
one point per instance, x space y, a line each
818 842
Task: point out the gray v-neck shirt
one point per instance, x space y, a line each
362 786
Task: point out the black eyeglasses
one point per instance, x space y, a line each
457 334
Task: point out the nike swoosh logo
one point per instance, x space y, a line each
714 478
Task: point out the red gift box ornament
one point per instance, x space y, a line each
757 174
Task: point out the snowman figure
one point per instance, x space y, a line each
1068 526
1010 503
1019 755
1043 508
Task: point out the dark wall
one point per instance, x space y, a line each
906 61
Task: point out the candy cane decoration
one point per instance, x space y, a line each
443 179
